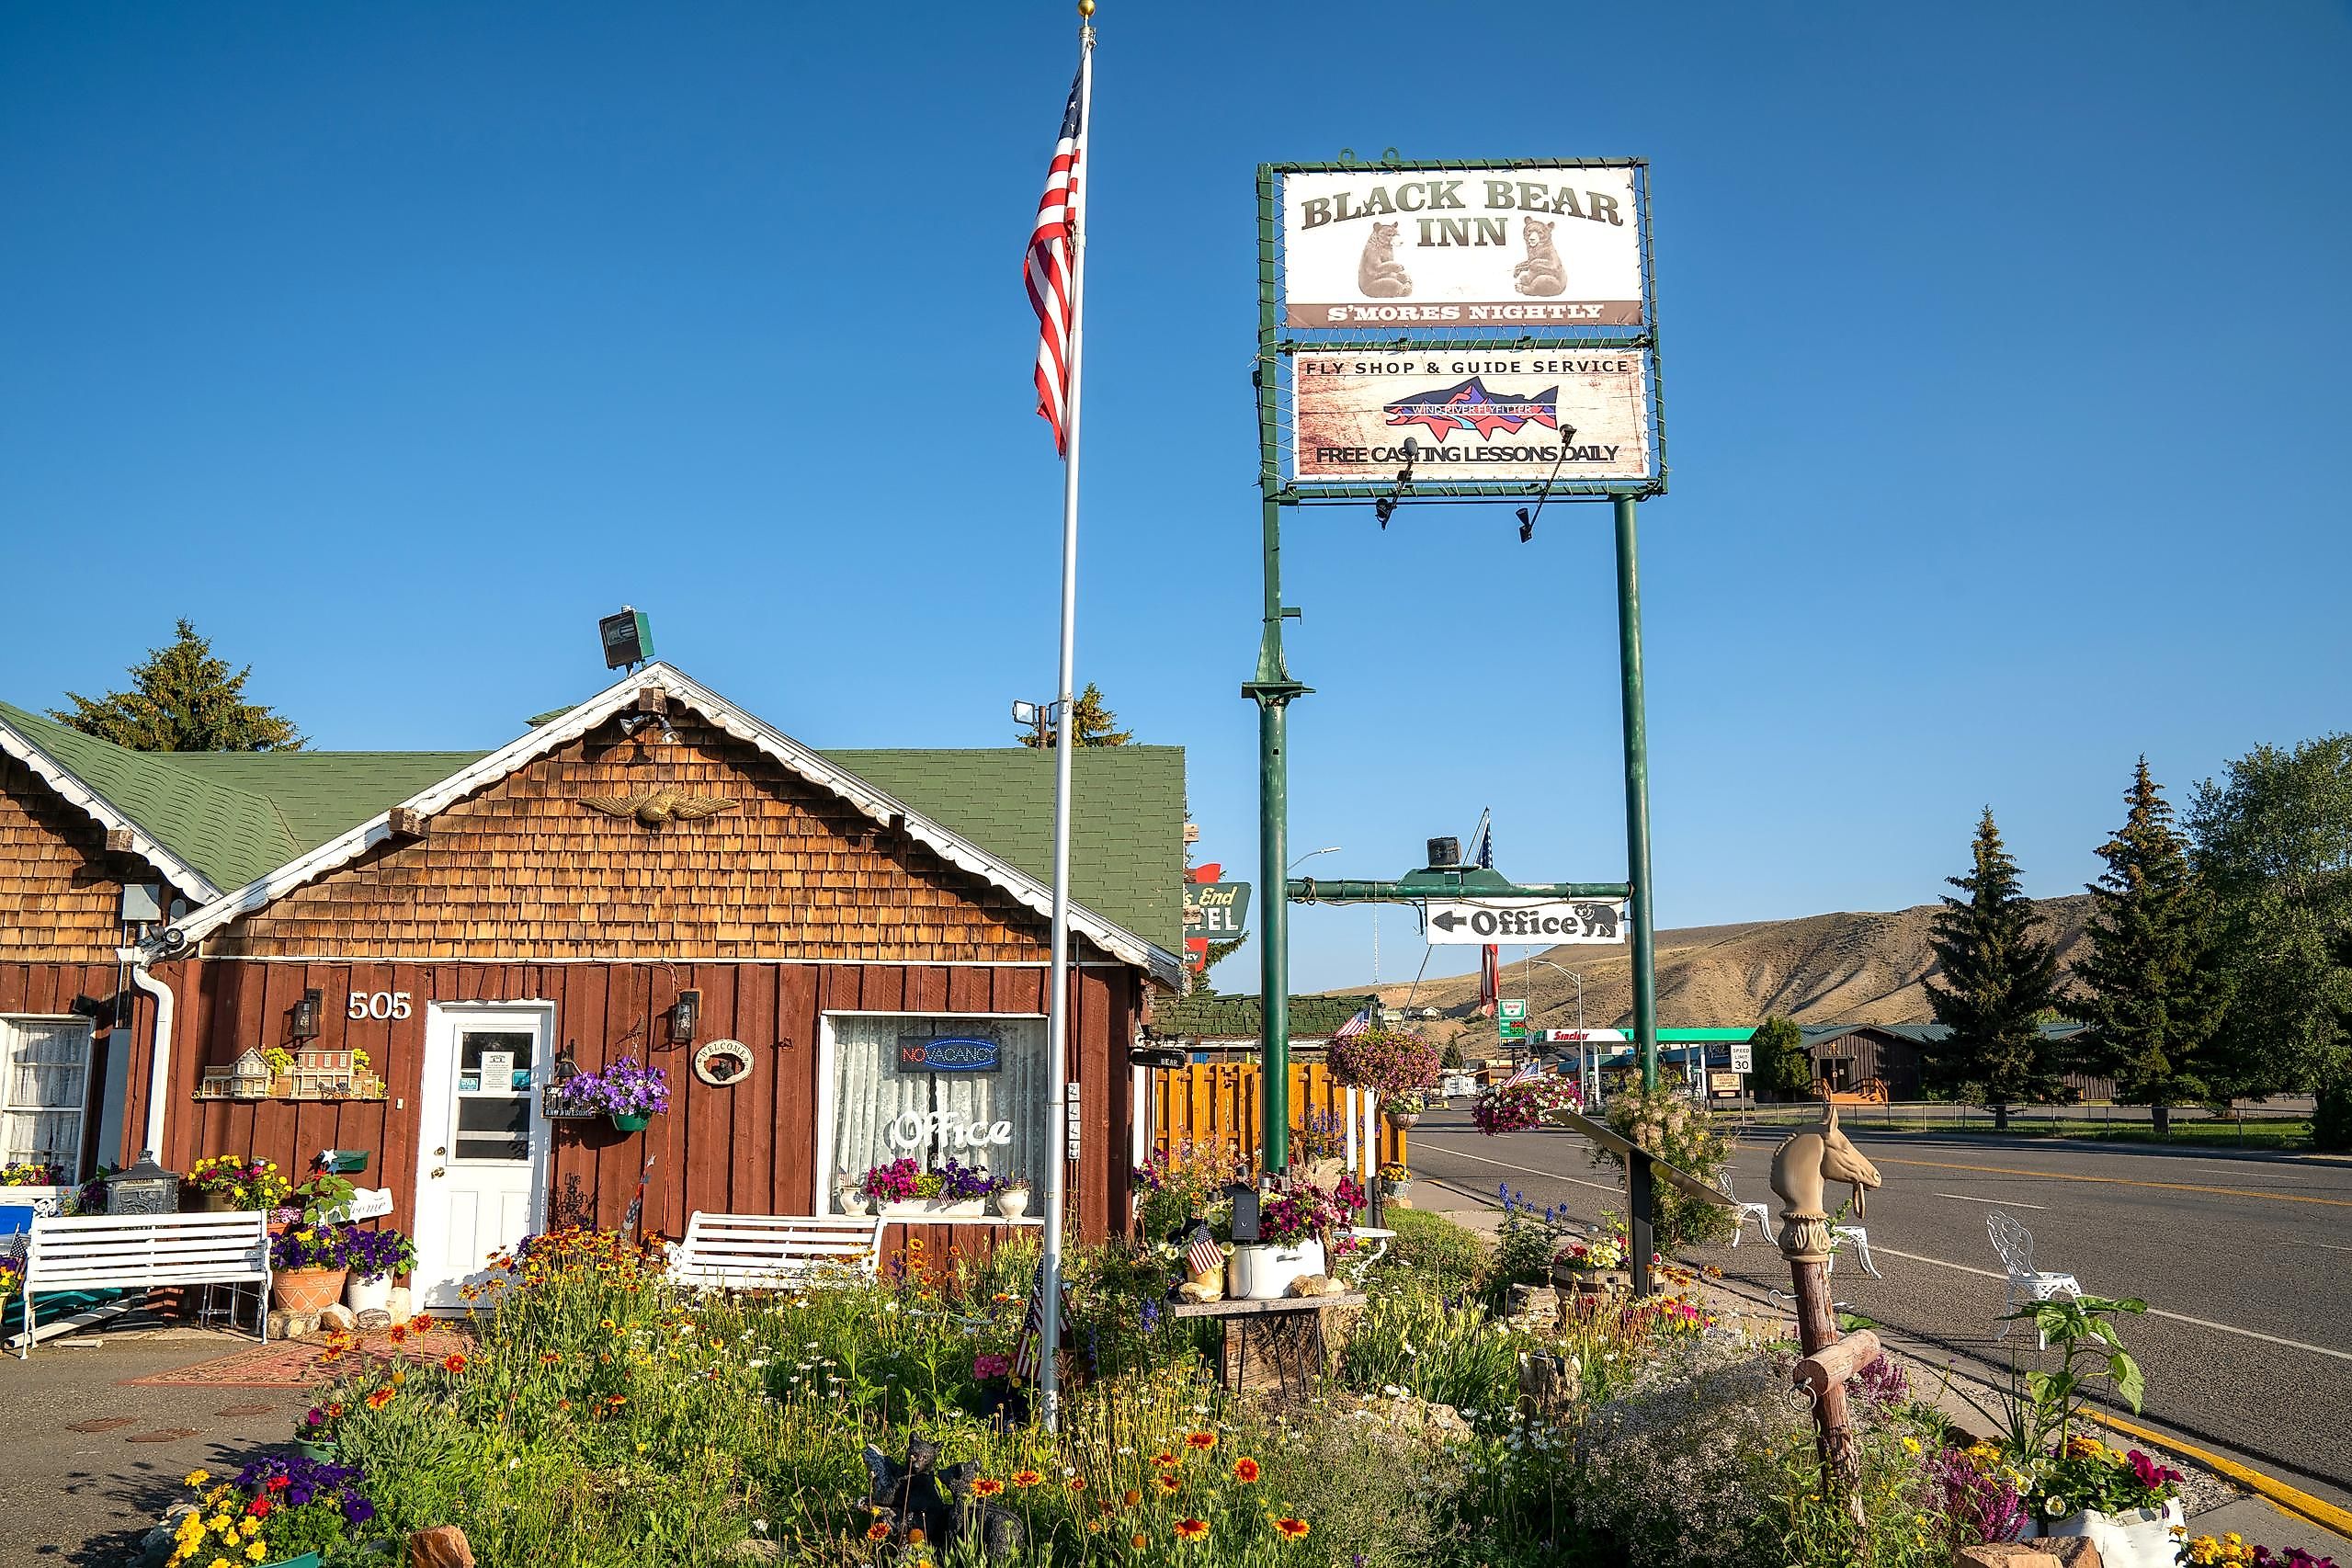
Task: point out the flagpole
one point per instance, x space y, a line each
1057 1021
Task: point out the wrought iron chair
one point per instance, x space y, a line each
1859 1238
1760 1212
2027 1285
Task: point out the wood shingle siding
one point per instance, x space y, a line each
61 896
521 869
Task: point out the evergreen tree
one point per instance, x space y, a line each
1783 1065
2148 999
1995 977
1095 725
182 699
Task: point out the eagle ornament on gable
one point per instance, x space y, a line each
659 807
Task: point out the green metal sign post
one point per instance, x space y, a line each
1273 690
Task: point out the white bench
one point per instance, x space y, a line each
136 1251
753 1252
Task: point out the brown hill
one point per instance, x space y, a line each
1823 968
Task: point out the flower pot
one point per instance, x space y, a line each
215 1204
852 1201
308 1560
369 1295
306 1289
954 1208
631 1122
1400 1190
2140 1538
1264 1273
1401 1119
1013 1202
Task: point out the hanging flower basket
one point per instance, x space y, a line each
628 1093
1515 1107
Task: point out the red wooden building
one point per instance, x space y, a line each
646 875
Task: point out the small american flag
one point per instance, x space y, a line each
1025 1359
1204 1254
1527 1073
1354 1026
1050 268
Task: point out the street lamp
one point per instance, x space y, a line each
1309 855
1588 1090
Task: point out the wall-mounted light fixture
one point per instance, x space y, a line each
304 1015
685 1014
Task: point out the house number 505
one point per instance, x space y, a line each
377 1004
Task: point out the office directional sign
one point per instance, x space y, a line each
1540 920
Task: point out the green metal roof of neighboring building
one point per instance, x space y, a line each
236 816
1239 1017
1126 819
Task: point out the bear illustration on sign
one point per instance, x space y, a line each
1600 919
1378 273
1543 272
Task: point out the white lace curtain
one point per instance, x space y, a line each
44 1073
876 1106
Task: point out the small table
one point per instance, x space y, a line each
1288 1332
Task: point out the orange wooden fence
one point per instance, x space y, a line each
1217 1103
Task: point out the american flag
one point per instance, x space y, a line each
1050 268
1529 1071
1204 1254
1025 1359
1354 1026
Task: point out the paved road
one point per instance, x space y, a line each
2245 1262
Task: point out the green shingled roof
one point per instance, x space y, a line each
238 816
1237 1018
1126 819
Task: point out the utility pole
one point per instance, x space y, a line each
1636 793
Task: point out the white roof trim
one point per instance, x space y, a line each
103 812
621 697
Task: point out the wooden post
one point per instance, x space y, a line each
1816 1332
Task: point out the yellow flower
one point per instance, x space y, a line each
1910 1445
255 1551
198 1477
249 1525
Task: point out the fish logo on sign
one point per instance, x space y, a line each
1469 406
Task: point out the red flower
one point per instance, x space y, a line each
1245 1469
453 1362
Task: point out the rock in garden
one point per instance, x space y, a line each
400 1304
375 1317
1539 1302
156 1548
2007 1554
2072 1551
443 1546
339 1319
277 1325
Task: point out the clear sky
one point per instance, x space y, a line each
2005 354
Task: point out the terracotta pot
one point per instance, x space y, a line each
1402 1118
306 1289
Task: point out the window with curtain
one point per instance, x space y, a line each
44 1074
884 1107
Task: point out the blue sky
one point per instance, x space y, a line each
2003 367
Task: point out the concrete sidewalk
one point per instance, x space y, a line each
2219 1504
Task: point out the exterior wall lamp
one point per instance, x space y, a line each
685 1014
304 1015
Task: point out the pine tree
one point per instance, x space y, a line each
1996 979
182 699
1095 725
1783 1065
2149 1000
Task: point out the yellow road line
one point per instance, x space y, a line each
2117 1181
2293 1499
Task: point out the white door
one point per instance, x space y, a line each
481 1159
